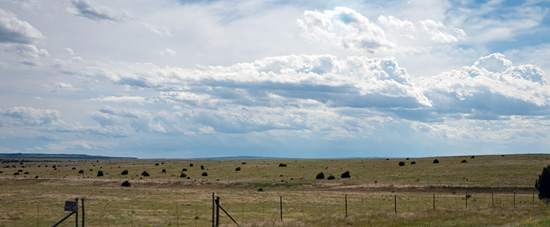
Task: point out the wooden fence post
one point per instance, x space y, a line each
83 219
492 200
217 211
76 213
514 198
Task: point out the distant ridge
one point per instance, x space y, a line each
58 156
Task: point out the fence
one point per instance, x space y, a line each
195 208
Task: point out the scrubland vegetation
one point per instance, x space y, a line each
178 193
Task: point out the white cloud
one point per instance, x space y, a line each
163 31
344 27
492 85
30 116
167 52
13 30
92 11
121 99
441 33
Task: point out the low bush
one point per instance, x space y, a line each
145 174
125 184
202 167
282 165
100 173
401 163
331 177
346 174
320 176
413 163
184 169
435 161
81 171
204 174
163 170
125 172
463 161
238 169
183 175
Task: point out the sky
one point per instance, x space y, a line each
274 78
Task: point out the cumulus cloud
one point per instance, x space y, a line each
30 116
344 27
440 33
491 87
351 30
92 11
13 30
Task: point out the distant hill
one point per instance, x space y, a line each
56 156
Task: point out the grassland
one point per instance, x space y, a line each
36 195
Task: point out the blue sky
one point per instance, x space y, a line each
308 79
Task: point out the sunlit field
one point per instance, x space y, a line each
457 191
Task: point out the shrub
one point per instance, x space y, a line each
26 173
183 175
163 170
145 174
157 164
473 157
74 168
331 177
260 189
202 167
320 176
543 185
81 171
401 163
282 165
413 163
244 163
100 173
184 169
463 161
238 169
125 184
346 175
16 173
204 174
190 164
436 161
125 172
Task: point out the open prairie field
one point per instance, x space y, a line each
458 191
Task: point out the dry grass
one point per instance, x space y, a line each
165 199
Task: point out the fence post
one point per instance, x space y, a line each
213 210
492 200
346 204
395 203
76 213
217 211
281 206
83 219
466 196
514 198
533 199
434 201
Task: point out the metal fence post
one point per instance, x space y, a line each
346 202
281 206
